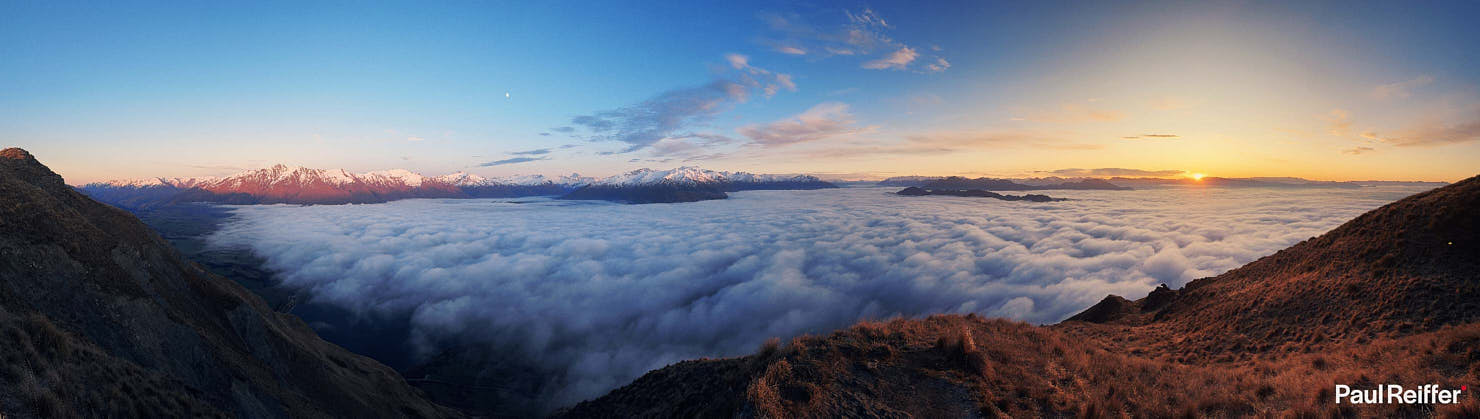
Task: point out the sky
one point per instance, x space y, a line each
856 90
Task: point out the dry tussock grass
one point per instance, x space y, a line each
1003 368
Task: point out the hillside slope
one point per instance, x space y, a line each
101 317
1388 298
1408 267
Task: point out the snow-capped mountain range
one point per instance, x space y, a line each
301 185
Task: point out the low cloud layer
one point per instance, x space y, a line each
598 294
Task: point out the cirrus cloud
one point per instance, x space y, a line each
512 160
825 120
862 33
642 124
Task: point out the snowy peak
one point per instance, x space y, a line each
461 179
693 175
393 176
645 176
154 182
301 185
132 183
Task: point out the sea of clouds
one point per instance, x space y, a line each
596 294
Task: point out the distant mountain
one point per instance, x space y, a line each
687 184
101 317
1259 182
297 185
907 181
278 184
975 193
474 186
957 182
1390 297
1123 183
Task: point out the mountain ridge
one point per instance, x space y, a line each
298 185
102 315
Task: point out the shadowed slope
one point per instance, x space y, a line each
108 320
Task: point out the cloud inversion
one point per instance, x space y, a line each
596 294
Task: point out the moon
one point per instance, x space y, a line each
506 95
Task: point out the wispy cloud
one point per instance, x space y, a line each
862 33
534 152
1358 150
826 120
645 123
514 160
1137 137
1115 171
939 65
791 50
1339 122
1401 89
1448 126
1437 133
695 146
896 60
670 113
753 76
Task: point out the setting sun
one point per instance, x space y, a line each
1198 176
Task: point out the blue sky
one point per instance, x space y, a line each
851 89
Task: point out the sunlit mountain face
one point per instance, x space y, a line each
744 209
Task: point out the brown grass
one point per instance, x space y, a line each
48 373
954 366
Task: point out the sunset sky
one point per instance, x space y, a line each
1333 91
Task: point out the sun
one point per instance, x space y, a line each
1198 176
